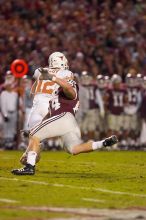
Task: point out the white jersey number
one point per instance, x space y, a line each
45 87
118 99
55 103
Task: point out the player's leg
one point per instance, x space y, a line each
142 137
74 145
23 159
94 145
35 117
92 124
126 133
89 125
10 130
47 129
115 125
29 158
110 123
84 126
135 128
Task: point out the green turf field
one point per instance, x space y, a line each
95 180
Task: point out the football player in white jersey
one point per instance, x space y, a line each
44 90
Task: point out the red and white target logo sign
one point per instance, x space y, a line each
19 68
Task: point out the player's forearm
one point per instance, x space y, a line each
67 88
33 88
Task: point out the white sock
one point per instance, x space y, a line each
97 145
31 158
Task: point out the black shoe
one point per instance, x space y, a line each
110 141
27 170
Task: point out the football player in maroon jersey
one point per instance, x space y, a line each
103 83
60 121
131 122
90 126
115 98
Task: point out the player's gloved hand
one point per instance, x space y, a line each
45 74
6 119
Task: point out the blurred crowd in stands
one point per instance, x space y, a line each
100 39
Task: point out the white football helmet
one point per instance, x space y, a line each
116 79
58 60
86 78
9 79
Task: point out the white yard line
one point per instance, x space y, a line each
89 213
93 200
8 200
75 187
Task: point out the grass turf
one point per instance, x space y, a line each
93 180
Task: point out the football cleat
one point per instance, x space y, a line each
110 141
27 170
